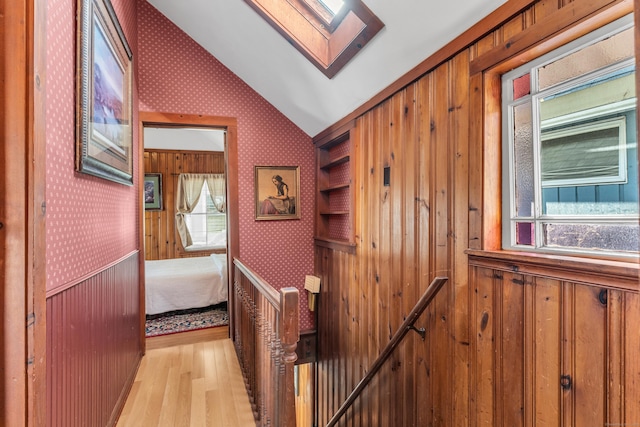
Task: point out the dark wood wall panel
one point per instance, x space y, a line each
161 240
531 332
93 347
496 340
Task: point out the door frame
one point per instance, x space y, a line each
22 212
230 125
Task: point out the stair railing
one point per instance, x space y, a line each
406 326
266 332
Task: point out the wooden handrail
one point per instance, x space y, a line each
406 326
266 336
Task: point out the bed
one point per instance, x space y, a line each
183 283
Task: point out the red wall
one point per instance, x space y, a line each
91 222
176 75
92 229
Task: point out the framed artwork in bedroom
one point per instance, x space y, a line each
277 192
103 95
152 191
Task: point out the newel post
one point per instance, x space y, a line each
290 335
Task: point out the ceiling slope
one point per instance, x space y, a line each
246 44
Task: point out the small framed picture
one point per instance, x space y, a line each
104 100
153 191
277 192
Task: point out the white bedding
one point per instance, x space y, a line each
181 283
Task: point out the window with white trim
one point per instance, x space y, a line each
570 162
207 225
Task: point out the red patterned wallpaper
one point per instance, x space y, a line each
176 75
91 222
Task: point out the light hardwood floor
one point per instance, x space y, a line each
189 384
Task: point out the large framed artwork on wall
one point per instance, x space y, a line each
277 192
103 104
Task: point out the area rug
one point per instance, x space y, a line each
187 320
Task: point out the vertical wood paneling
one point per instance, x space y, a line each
93 347
497 342
630 386
589 351
161 240
544 350
458 275
510 379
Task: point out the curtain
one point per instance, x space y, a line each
215 183
188 195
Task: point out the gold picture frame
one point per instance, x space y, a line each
277 192
103 105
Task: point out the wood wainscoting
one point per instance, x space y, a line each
426 188
549 350
93 346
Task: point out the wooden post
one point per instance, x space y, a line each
289 336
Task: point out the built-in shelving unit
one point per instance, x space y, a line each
334 206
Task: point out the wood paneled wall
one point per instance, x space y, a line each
442 145
160 238
93 347
552 351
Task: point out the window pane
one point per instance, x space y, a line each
525 233
523 150
206 225
521 86
594 57
609 237
333 5
582 154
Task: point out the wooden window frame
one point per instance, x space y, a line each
327 45
486 73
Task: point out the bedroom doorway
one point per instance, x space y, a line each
178 146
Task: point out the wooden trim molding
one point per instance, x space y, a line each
22 213
230 124
553 32
87 276
605 273
336 245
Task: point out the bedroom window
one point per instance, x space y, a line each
205 223
570 170
200 216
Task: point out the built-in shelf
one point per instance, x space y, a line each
335 187
334 198
336 162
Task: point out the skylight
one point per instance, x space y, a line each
333 5
329 33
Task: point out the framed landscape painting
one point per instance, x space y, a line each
277 192
103 107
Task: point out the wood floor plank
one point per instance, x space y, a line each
168 410
198 404
187 385
183 410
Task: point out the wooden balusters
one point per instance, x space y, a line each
266 336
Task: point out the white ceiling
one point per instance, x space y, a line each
239 38
188 139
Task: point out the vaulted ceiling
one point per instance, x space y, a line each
245 43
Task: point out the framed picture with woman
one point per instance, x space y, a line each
277 192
